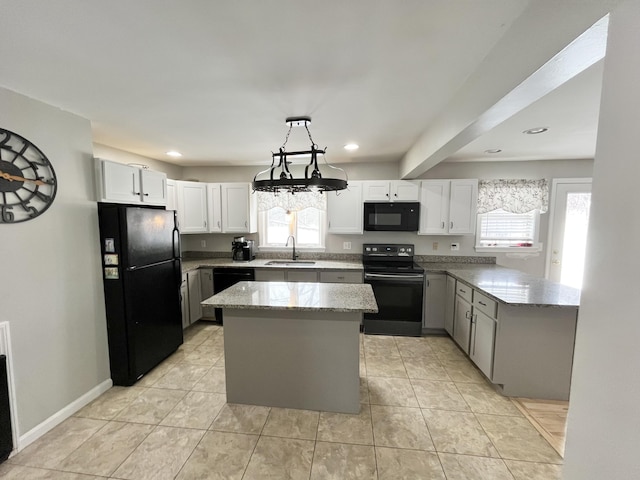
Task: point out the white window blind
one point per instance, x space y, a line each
501 229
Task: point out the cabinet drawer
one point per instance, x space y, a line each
464 291
485 304
341 277
302 276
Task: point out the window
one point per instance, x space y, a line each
281 216
500 230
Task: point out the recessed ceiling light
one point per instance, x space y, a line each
535 131
173 153
493 150
351 146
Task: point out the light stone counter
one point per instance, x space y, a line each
294 345
509 286
327 297
194 264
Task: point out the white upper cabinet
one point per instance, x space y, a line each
214 207
153 187
172 195
434 207
239 208
192 207
120 183
390 191
344 209
448 207
463 206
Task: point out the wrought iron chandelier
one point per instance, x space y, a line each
284 181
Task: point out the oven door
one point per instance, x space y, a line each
400 299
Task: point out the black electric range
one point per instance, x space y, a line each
398 285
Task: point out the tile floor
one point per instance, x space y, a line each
426 413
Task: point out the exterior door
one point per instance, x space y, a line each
571 202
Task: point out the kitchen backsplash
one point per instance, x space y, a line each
347 257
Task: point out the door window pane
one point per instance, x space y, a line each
575 238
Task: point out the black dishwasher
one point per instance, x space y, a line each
225 277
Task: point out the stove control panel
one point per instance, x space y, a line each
387 250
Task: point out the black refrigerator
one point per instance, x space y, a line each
142 275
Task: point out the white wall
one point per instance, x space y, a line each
604 415
51 285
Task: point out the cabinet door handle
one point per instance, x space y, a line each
482 303
442 224
245 224
218 223
427 283
451 225
205 224
466 314
395 194
461 290
146 194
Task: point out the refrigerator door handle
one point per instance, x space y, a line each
176 243
149 265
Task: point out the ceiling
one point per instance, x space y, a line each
216 80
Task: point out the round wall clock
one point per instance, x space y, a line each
27 180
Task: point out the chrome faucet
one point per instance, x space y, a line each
294 245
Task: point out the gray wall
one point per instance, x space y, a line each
51 285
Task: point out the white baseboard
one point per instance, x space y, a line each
61 415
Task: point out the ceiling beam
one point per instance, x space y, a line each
550 43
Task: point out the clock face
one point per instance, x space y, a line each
27 180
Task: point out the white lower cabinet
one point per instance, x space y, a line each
483 334
191 296
450 305
294 275
435 286
285 275
206 288
184 300
341 277
462 323
195 292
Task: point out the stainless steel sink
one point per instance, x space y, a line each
290 262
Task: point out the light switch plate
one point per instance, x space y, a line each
346 245
203 243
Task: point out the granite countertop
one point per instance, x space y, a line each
262 263
330 297
509 286
505 285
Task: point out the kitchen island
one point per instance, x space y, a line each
293 345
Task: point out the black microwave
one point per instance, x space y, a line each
391 217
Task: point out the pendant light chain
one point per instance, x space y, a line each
313 179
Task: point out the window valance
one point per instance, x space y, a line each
515 196
291 201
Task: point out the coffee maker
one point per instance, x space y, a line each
242 249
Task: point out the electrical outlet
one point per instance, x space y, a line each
346 245
455 246
435 246
203 243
